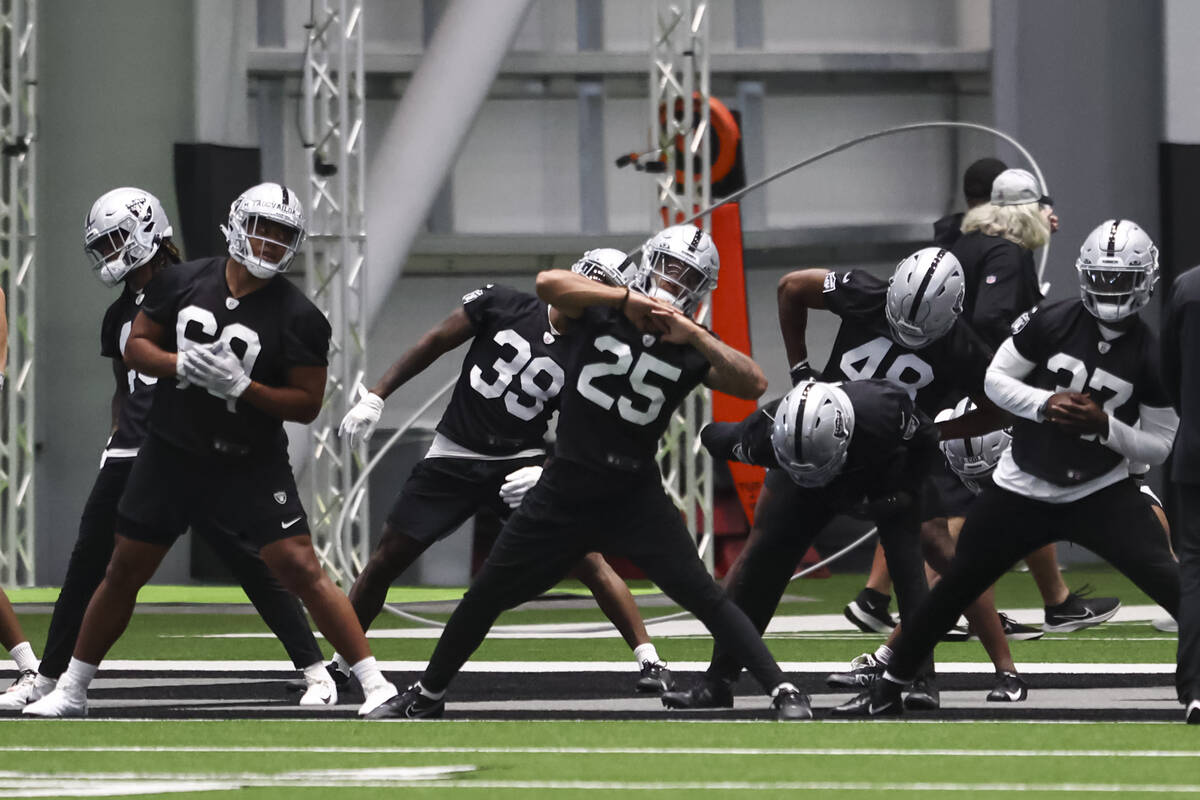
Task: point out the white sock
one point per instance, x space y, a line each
883 655
786 685
23 655
78 676
644 653
341 663
431 695
368 674
44 685
317 673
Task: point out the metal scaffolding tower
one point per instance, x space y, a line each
18 232
334 110
679 120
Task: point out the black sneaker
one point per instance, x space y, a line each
923 695
1018 632
410 704
1192 715
956 634
703 695
869 612
1079 611
1009 688
340 679
864 670
655 679
881 700
791 704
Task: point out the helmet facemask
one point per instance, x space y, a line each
1114 292
265 233
674 280
606 265
123 231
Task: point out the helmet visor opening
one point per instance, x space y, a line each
110 244
1111 282
272 230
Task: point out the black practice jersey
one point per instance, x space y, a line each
933 376
271 330
511 376
891 438
622 387
136 390
1064 342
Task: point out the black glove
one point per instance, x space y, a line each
803 372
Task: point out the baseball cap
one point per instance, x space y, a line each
978 178
1015 187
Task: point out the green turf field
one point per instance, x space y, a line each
917 757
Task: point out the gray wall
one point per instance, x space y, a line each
115 92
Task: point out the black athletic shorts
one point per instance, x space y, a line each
443 493
170 488
945 495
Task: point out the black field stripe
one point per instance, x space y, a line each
920 295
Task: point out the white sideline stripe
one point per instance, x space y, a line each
981 667
620 751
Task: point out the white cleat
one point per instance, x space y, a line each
58 704
1166 625
377 697
22 692
319 693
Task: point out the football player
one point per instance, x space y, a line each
236 350
490 442
127 238
636 353
857 447
1082 377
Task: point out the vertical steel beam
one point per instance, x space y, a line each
334 112
18 236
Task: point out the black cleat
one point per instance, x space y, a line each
655 679
1079 611
881 700
1192 715
869 612
923 695
409 704
791 704
1009 688
1016 631
703 695
864 670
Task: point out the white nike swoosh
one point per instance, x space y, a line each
290 523
873 709
1013 695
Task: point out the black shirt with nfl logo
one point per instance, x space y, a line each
935 376
511 377
271 330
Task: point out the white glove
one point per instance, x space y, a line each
185 366
219 370
360 421
516 484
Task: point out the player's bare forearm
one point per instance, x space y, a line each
449 334
299 401
731 372
571 293
797 292
144 351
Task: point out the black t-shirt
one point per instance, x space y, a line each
511 376
1064 342
947 230
271 329
934 375
136 389
1001 282
622 387
892 441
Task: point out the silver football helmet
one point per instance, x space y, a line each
811 435
680 265
973 457
123 231
925 295
607 265
1118 267
270 213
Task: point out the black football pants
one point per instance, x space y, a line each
573 510
787 518
93 549
1002 528
1187 673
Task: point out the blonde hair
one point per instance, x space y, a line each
1022 224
